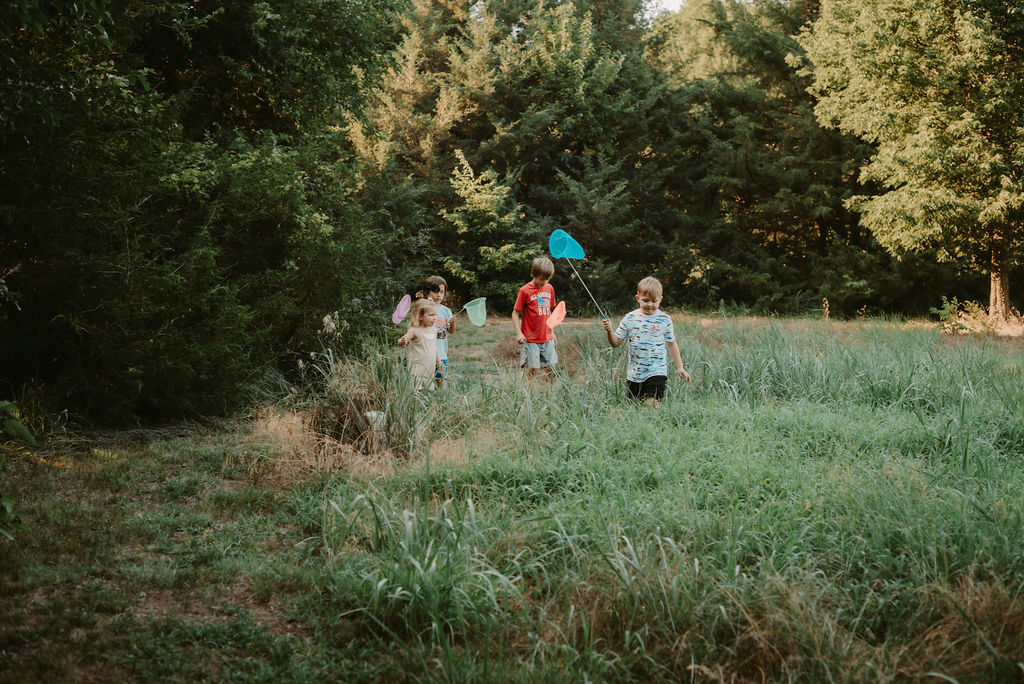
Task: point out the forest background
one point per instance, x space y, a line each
188 188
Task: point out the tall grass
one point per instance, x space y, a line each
812 503
824 502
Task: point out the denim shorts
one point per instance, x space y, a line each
538 354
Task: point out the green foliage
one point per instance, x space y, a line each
530 108
187 189
11 430
36 16
956 317
152 327
949 156
11 427
176 199
775 232
10 520
284 67
487 247
949 315
705 165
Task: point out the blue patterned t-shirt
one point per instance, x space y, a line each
442 323
645 338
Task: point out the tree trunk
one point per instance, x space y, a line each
999 286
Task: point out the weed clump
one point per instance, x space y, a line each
352 416
971 318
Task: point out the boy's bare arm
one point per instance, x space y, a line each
517 326
673 349
451 325
613 339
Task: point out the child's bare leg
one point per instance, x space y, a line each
539 375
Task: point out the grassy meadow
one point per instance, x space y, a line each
826 501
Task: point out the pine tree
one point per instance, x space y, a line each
485 247
775 229
530 97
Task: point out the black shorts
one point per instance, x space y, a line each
653 386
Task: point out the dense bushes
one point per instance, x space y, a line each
176 209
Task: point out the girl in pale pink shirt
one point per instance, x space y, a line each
421 340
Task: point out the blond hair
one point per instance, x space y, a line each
542 266
650 287
420 305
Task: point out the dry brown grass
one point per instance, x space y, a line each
972 318
971 617
464 449
797 629
284 447
570 353
792 630
290 450
982 324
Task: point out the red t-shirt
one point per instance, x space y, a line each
535 304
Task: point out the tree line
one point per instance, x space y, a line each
188 188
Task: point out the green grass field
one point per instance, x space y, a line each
827 501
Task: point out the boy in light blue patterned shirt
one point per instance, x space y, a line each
651 338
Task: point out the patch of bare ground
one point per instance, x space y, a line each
506 353
461 450
195 607
96 673
49 659
36 614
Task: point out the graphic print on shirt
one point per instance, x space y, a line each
646 337
444 315
542 300
441 323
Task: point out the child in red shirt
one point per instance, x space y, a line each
534 303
